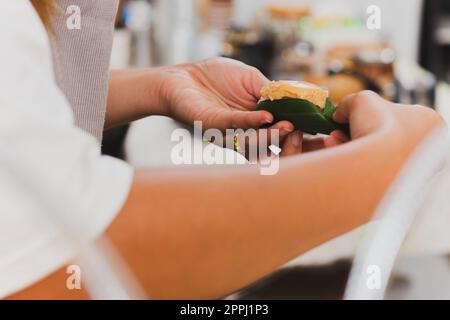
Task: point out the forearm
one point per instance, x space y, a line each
204 232
201 233
134 94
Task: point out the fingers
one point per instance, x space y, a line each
339 135
313 144
366 112
331 142
336 138
284 128
292 145
369 100
247 119
281 129
255 81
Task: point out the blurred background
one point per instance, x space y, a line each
328 42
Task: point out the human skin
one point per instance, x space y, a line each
222 93
206 232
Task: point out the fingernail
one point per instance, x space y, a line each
296 139
340 135
268 120
286 130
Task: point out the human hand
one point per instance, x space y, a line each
368 113
297 142
222 93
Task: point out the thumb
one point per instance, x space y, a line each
292 144
254 82
366 112
368 101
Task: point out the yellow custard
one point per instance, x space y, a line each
277 90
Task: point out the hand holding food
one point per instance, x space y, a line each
220 92
368 114
303 104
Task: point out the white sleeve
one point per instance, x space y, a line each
52 174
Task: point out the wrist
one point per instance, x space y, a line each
168 76
160 88
153 96
139 89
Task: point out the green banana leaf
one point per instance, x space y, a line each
304 115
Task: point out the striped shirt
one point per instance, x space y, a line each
81 59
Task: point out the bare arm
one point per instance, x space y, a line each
202 233
205 232
134 94
196 234
222 93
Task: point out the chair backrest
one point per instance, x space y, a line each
394 217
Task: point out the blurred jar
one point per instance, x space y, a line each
285 20
378 67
